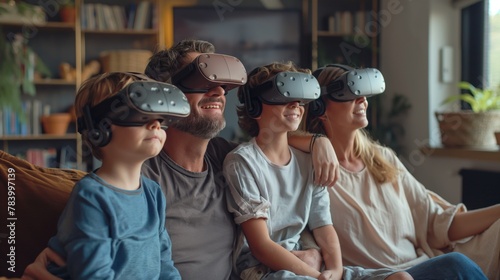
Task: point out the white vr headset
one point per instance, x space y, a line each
353 84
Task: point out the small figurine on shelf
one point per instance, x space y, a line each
68 72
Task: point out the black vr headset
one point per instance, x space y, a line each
353 84
209 70
135 105
283 88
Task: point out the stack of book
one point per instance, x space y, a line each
23 123
97 16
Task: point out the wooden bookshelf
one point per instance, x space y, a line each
56 42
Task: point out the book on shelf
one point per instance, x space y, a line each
109 17
43 157
100 17
64 157
89 17
15 124
136 16
120 16
143 15
347 22
131 13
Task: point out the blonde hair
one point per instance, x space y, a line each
93 91
258 76
365 147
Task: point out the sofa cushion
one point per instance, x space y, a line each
37 197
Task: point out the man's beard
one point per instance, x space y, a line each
203 127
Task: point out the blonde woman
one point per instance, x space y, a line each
384 217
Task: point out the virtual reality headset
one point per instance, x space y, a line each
354 84
287 87
137 104
210 70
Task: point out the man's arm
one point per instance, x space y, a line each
325 162
270 253
38 269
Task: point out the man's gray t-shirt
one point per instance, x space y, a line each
198 222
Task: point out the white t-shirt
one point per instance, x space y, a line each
284 195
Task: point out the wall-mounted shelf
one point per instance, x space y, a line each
324 33
122 32
39 137
47 25
53 82
483 154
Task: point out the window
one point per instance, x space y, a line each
481 43
492 45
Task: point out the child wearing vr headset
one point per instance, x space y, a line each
272 194
113 225
399 220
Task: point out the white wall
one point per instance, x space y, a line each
411 39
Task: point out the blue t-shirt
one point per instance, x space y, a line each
109 233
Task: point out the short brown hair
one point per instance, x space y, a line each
96 89
164 64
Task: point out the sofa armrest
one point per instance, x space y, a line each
36 197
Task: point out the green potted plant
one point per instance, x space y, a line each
67 11
21 12
474 127
18 63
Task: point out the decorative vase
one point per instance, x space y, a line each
72 112
56 124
